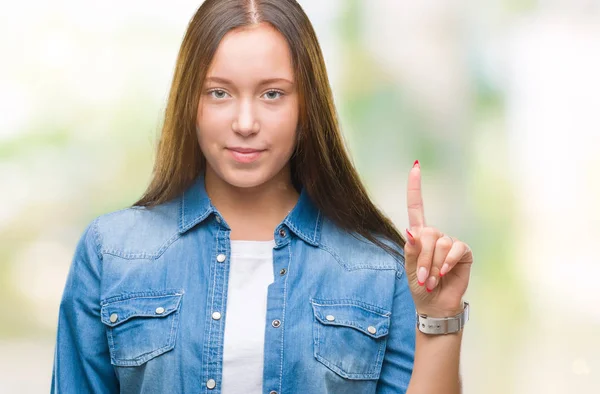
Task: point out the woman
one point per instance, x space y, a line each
255 262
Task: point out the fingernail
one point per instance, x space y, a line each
444 269
422 275
416 164
410 237
431 282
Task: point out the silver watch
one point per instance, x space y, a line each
443 325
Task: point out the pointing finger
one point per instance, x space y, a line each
414 198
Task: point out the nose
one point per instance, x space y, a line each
245 123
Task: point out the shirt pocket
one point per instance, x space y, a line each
141 326
350 337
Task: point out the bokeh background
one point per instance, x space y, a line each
498 99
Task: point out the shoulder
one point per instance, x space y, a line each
137 232
354 251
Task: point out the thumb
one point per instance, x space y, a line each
411 253
412 250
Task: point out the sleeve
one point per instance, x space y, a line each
81 358
400 351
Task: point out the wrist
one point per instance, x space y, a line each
437 323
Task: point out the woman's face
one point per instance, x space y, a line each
248 110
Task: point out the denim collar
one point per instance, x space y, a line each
304 219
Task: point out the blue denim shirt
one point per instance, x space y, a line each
137 310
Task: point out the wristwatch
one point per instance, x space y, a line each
443 325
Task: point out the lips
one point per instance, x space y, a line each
245 155
245 150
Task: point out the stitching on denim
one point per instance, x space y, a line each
125 316
318 339
96 238
129 256
167 244
371 268
181 211
380 354
335 256
355 267
139 360
317 226
174 325
144 255
350 302
142 294
196 220
285 281
347 323
222 321
111 342
300 232
212 300
400 273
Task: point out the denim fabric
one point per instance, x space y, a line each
138 313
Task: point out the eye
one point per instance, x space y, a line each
273 94
218 94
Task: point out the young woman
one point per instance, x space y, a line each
255 262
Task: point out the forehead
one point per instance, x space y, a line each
251 53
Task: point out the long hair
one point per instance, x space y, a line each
319 163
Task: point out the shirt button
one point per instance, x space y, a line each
372 329
282 272
276 323
216 315
330 317
160 310
211 384
282 232
221 258
113 317
273 392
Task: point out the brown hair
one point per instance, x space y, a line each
320 162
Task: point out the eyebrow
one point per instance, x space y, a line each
267 81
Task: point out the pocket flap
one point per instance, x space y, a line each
122 309
352 314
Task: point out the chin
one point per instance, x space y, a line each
245 179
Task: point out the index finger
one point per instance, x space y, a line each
414 198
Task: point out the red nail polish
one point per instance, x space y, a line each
441 274
429 291
411 239
420 283
416 164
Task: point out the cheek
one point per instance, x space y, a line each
285 124
208 125
285 138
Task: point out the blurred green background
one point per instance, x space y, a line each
497 99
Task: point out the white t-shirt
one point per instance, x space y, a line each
250 274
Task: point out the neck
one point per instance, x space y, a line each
252 213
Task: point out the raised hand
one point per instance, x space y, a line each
438 266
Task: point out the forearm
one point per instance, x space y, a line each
436 367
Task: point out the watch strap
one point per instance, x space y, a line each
443 325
